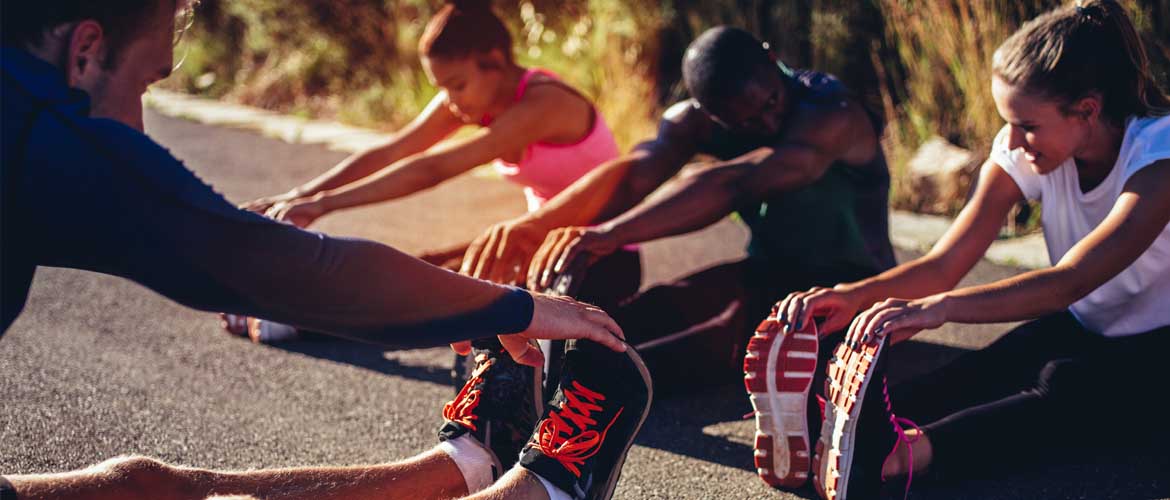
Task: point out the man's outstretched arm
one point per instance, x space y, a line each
137 212
704 195
362 289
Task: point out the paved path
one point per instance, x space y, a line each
98 366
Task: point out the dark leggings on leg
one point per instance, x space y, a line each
1044 389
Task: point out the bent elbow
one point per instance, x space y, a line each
1073 287
1068 295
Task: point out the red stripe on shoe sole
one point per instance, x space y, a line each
846 377
792 376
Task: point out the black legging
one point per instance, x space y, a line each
1044 389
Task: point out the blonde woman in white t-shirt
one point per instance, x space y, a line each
1088 136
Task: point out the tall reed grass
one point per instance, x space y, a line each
939 84
923 62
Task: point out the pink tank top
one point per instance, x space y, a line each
546 169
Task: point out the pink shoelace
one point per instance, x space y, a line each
898 423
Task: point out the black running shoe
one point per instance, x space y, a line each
860 431
581 443
498 405
565 284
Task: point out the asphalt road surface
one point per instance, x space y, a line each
98 367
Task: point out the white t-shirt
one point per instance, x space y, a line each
1138 299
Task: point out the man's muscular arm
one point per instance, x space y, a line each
703 196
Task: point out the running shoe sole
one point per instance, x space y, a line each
778 372
850 374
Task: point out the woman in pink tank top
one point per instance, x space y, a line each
545 168
466 52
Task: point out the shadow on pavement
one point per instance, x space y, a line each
367 356
697 425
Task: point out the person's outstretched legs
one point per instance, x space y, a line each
493 415
517 484
430 475
578 449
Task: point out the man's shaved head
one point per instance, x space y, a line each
720 62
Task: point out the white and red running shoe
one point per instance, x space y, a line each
778 372
860 432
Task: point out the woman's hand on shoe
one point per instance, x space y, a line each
836 305
898 319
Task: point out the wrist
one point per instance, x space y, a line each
548 220
523 305
325 201
609 233
853 292
945 304
534 222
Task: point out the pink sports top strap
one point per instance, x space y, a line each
523 87
528 74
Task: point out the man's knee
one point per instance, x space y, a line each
132 466
140 473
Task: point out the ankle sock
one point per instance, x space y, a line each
554 493
475 462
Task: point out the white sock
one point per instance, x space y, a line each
554 493
475 461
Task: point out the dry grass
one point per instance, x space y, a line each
924 61
942 73
944 53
